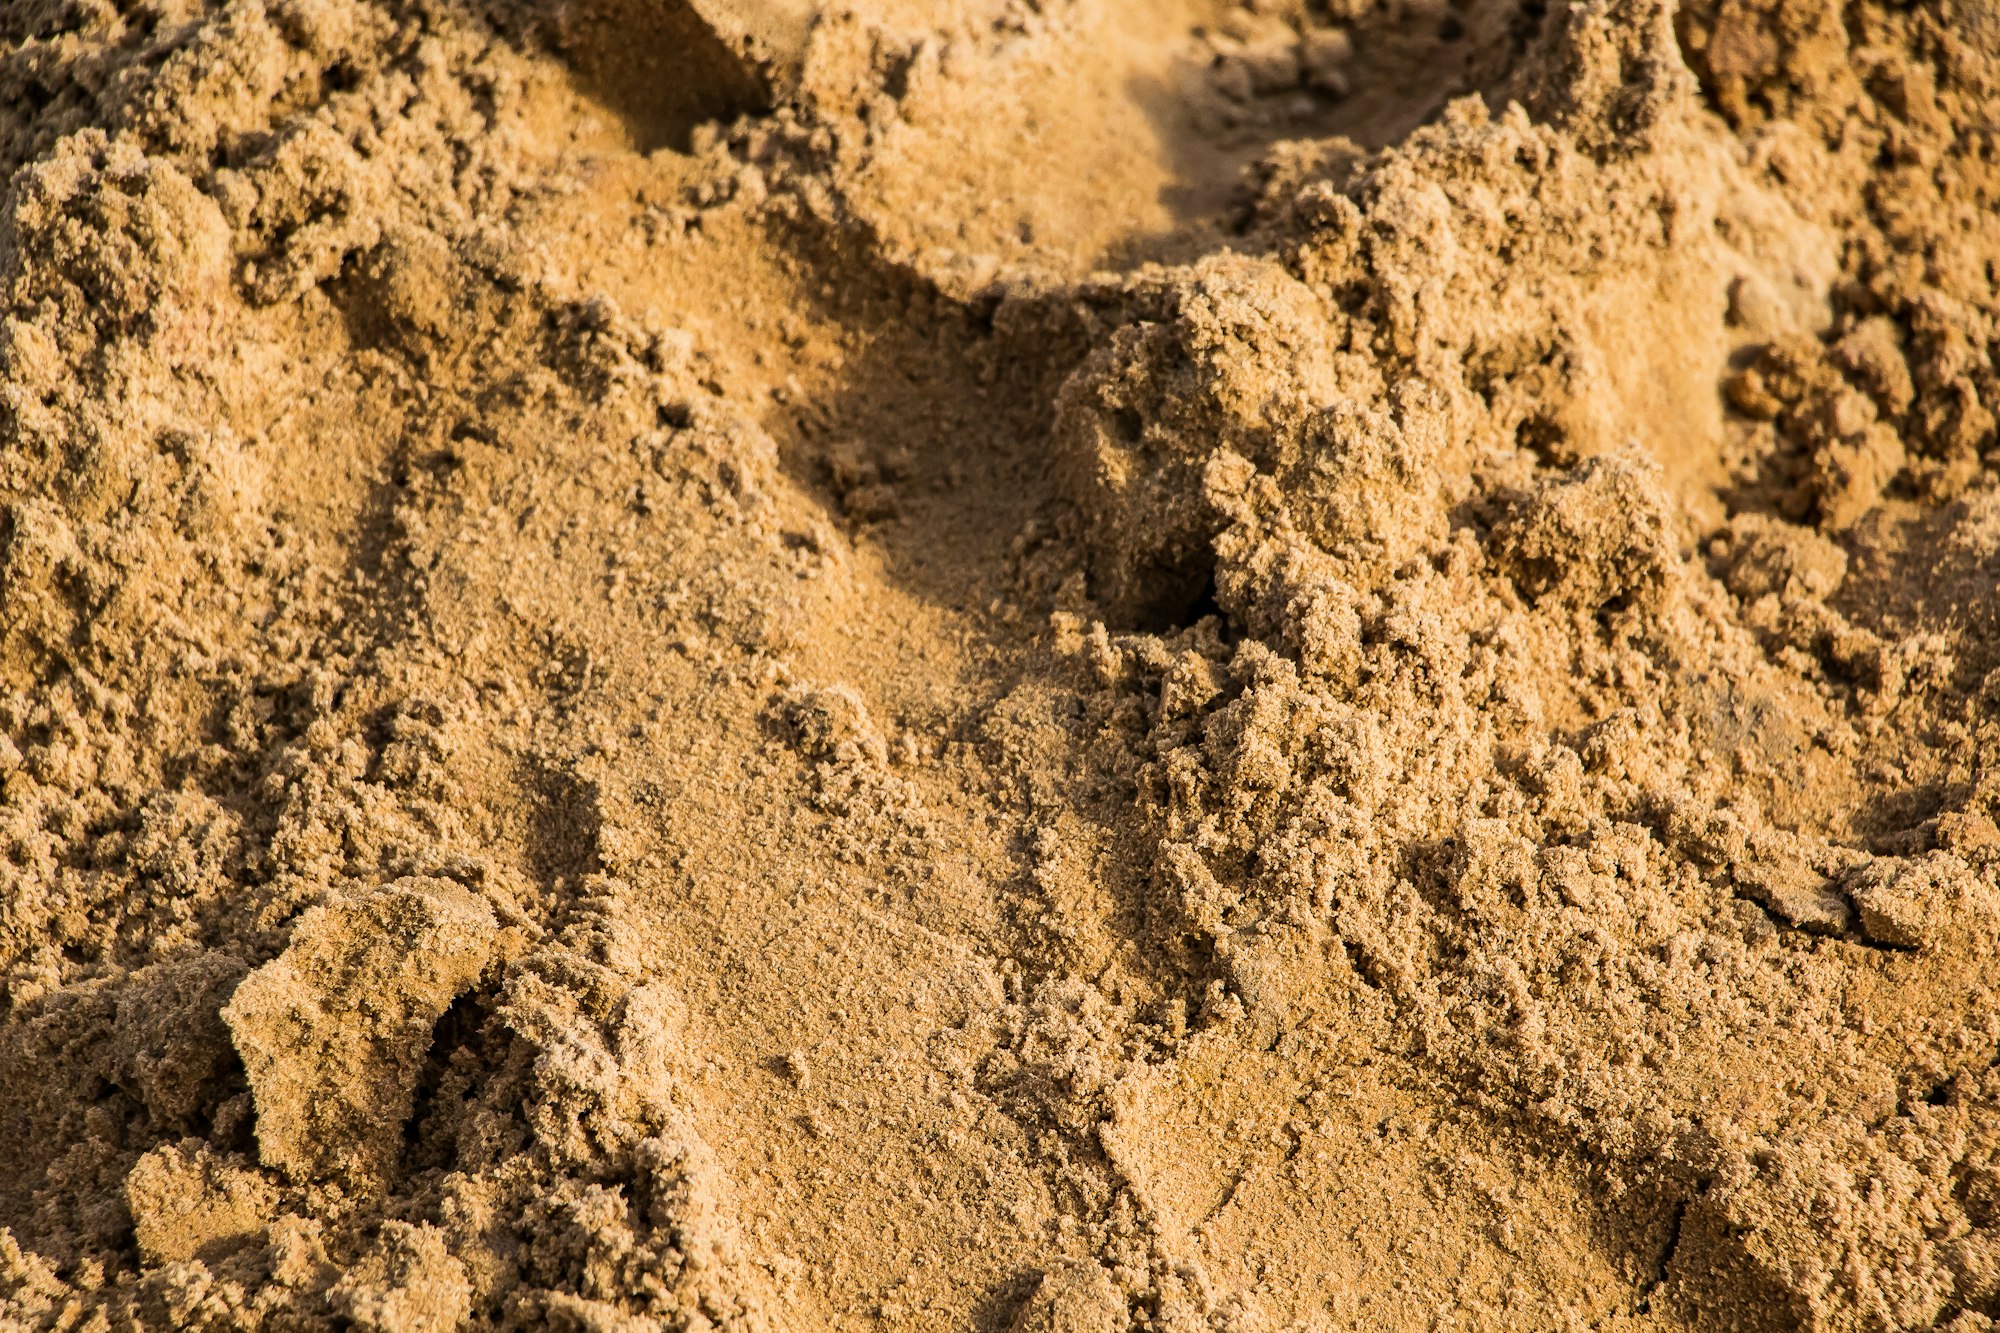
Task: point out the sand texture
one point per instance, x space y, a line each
1006 665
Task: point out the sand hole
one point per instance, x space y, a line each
662 67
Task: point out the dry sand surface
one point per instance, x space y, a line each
1038 665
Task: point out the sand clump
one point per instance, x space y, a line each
334 1030
685 664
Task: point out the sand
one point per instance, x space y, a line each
1062 665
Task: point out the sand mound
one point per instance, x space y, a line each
1011 664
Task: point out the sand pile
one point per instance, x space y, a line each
1006 664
